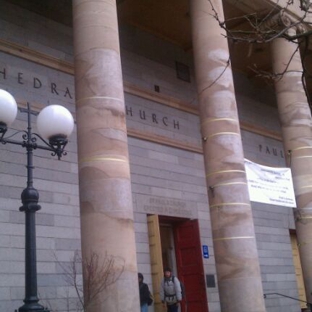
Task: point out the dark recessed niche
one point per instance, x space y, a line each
210 281
183 72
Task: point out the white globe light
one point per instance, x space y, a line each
55 120
8 108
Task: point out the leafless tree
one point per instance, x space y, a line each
98 274
260 28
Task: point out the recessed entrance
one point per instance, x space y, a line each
167 246
175 242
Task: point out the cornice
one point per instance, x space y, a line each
36 56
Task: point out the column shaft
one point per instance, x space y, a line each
238 271
295 117
104 176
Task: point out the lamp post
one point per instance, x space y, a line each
54 123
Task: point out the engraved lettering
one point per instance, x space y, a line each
142 115
154 118
20 78
53 88
3 73
67 93
271 151
37 83
128 110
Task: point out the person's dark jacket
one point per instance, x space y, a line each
144 293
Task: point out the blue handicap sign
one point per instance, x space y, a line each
205 252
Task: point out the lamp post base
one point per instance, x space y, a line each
32 307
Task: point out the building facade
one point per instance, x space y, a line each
154 175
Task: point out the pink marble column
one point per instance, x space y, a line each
238 271
295 117
104 176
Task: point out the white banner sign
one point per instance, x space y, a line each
270 185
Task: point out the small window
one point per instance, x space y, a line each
183 72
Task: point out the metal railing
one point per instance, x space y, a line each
309 305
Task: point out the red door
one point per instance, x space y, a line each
190 266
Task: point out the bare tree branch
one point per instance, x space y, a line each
260 28
99 272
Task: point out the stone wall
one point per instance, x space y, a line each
159 172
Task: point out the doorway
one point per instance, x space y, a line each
175 243
168 247
298 270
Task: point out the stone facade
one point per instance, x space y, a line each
166 162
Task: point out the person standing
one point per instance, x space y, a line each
170 291
144 293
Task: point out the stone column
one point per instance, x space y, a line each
107 231
296 123
238 271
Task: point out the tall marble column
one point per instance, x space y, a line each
296 123
107 230
238 271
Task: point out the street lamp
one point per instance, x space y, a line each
54 123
